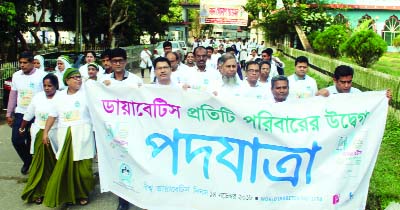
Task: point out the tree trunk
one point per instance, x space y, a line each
55 28
24 46
303 38
38 43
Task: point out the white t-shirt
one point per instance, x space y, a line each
257 92
26 86
39 109
84 71
71 109
332 90
129 79
201 80
302 88
182 74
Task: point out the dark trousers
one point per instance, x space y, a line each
22 143
142 71
122 202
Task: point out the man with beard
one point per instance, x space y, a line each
229 84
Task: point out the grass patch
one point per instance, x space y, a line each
385 181
389 63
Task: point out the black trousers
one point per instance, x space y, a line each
22 143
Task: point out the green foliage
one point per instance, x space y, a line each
310 18
384 185
312 36
253 7
174 14
330 40
365 25
364 47
396 41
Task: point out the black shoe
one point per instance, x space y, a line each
123 207
25 169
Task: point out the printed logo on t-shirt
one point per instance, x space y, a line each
42 117
25 97
77 104
70 116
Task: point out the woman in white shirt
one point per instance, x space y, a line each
72 178
43 161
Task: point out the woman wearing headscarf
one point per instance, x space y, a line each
38 62
72 177
43 160
63 64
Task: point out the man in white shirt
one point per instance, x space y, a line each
90 57
251 86
145 60
202 76
280 88
179 71
343 79
167 47
302 85
25 84
266 55
121 76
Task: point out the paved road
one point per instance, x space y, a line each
12 182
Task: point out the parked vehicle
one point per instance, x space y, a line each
176 47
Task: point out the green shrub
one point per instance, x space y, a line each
364 47
396 41
330 40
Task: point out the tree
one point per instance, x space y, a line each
396 41
329 41
364 47
8 24
299 17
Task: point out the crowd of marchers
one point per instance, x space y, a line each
52 131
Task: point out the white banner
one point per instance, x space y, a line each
223 12
166 147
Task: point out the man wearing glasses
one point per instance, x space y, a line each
120 74
251 86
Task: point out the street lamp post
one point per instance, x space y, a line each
78 27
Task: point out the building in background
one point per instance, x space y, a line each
384 14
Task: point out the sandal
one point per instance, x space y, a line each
39 200
83 201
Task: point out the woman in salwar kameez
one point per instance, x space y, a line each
72 179
43 160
